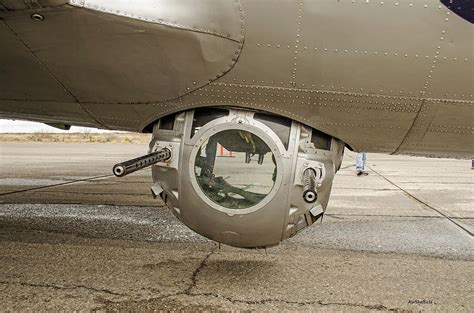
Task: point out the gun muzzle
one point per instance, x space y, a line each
133 165
310 195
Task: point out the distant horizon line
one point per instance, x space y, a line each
9 126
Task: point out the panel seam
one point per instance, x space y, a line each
51 73
415 121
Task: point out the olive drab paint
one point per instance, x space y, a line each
382 76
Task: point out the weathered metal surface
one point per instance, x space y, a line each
383 76
257 197
224 20
22 76
13 5
105 58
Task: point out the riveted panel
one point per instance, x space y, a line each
368 46
439 128
269 41
420 125
220 18
454 61
383 119
383 76
129 117
22 77
448 132
106 58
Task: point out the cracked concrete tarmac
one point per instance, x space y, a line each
106 245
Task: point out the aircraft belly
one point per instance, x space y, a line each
393 78
69 113
442 128
372 74
223 18
22 77
106 58
351 118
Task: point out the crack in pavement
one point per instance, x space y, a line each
203 263
184 292
188 292
378 307
196 272
59 287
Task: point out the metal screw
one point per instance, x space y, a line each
37 17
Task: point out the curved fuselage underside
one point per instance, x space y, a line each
392 77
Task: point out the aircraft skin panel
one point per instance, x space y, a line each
106 58
451 75
69 113
225 20
22 76
14 5
332 46
448 131
351 118
393 77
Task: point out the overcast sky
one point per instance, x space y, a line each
9 126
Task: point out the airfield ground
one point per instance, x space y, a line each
72 237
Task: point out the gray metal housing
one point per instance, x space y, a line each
281 214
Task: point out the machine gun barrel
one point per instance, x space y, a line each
133 165
310 194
